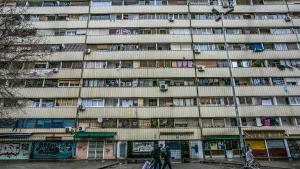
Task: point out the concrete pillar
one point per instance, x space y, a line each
287 148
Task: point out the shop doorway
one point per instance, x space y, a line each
95 150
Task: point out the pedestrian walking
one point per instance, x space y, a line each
166 155
156 157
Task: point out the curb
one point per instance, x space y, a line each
109 165
237 164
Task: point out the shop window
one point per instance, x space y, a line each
294 146
276 148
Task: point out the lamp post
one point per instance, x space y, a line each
232 81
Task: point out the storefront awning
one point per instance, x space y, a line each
215 137
15 135
95 134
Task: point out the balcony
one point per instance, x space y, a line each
260 8
58 10
151 134
267 91
214 91
139 9
65 56
291 54
292 130
67 73
257 23
35 130
59 24
220 131
54 112
289 130
213 72
211 55
208 38
264 72
48 92
261 38
206 23
139 73
294 7
218 111
269 111
64 39
138 23
183 91
155 38
140 112
140 55
296 22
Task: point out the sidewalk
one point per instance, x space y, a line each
272 164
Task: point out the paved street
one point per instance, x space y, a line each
180 166
98 164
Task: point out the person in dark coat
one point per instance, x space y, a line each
156 157
166 155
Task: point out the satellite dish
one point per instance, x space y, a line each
100 120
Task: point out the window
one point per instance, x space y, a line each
280 46
245 100
33 103
69 83
47 103
166 123
93 102
294 100
66 102
93 83
50 83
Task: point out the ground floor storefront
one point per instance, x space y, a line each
37 150
107 148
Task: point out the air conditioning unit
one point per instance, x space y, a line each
197 51
201 68
81 128
225 4
122 84
163 87
87 51
55 70
69 130
288 18
81 107
171 19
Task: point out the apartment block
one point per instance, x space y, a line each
124 75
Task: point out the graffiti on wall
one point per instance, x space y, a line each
142 147
53 149
11 151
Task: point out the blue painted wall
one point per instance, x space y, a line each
53 149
